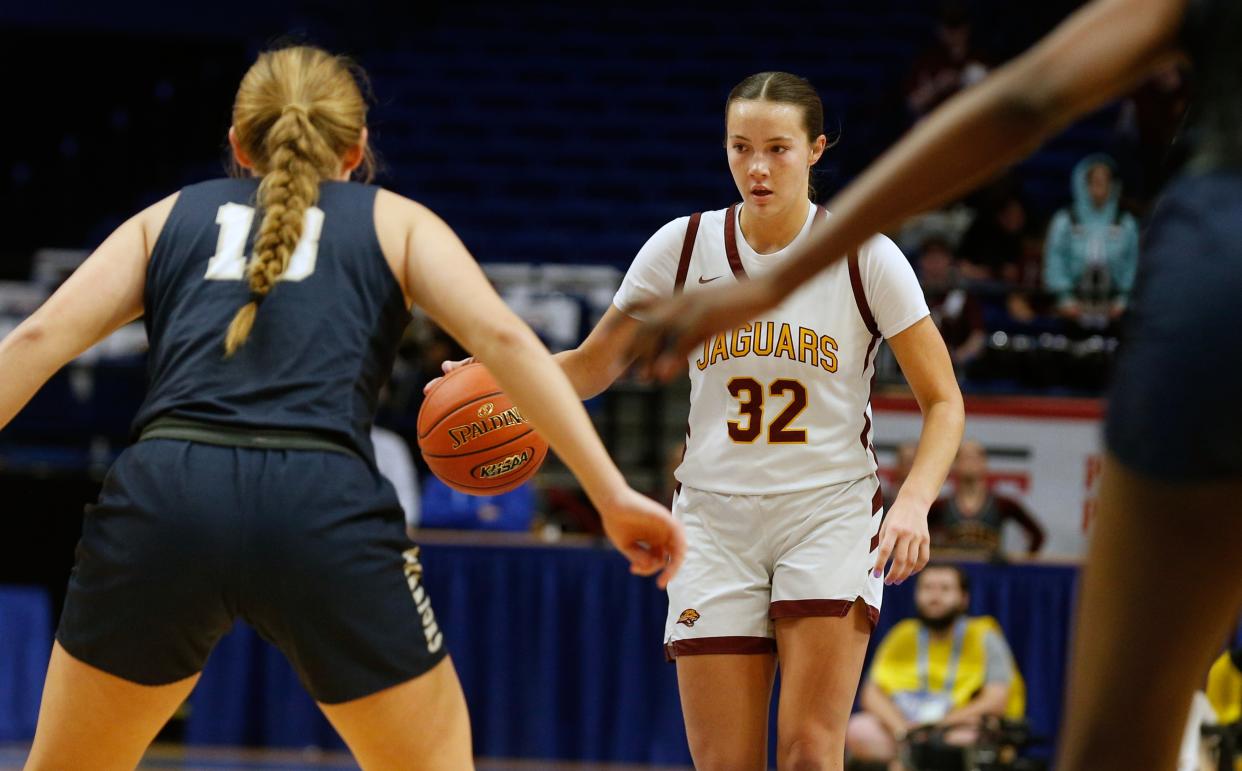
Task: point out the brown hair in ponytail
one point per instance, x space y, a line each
298 112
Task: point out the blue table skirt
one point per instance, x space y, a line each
559 652
25 644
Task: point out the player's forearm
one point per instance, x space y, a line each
589 378
29 356
543 393
943 423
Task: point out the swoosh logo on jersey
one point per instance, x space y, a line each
707 280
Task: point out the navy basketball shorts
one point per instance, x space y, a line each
1175 411
306 546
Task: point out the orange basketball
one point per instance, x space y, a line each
473 437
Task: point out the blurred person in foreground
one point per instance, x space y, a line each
1170 510
944 669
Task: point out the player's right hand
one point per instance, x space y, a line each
646 534
446 367
904 538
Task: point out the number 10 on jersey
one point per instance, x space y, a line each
229 261
750 395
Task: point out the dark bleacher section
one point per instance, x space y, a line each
559 132
571 134
566 133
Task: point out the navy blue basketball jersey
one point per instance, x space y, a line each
323 341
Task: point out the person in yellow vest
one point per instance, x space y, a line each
1224 687
943 668
1219 705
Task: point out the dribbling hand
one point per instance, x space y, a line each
643 530
904 538
446 367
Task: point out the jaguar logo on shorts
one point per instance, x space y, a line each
688 617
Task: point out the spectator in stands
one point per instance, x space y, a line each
1224 687
1091 253
903 462
996 246
973 517
948 65
957 312
1002 252
444 507
943 669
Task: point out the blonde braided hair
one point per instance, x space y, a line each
298 112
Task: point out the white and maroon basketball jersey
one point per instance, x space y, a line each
781 404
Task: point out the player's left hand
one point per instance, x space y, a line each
672 328
904 538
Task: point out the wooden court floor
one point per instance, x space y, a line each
172 757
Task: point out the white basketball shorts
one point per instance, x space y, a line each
756 558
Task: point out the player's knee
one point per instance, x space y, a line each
867 739
805 756
812 750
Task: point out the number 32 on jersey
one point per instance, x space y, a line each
750 395
229 261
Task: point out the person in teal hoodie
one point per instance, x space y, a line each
1092 249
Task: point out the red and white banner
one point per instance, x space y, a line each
1043 452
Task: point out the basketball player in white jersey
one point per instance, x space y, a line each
777 488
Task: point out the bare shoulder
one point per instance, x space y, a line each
397 221
396 218
388 203
151 220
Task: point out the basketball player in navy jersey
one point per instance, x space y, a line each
1163 578
252 491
